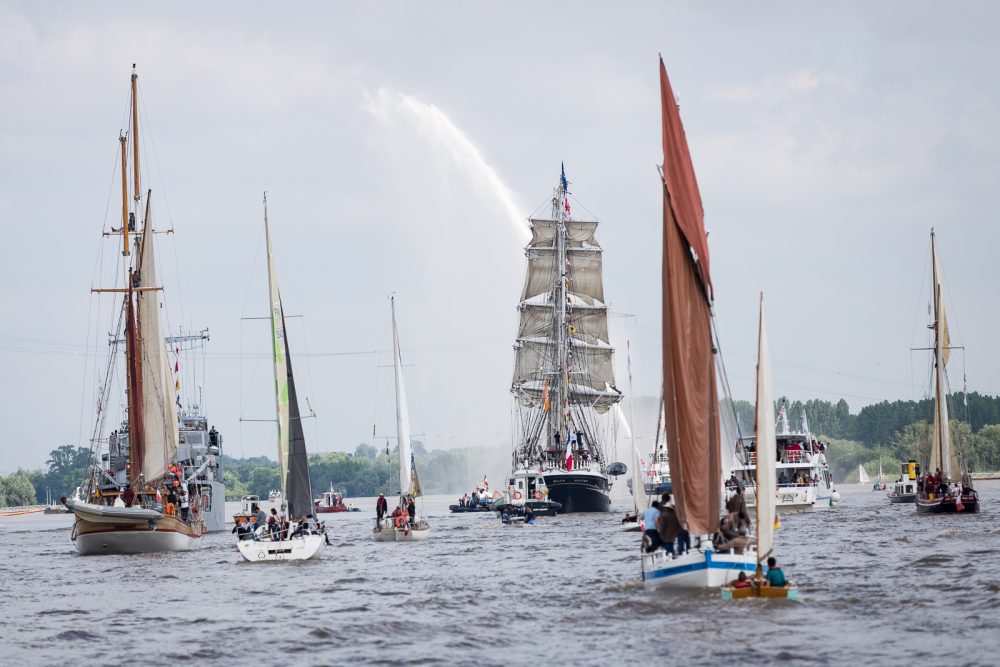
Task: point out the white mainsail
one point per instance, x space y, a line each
766 446
942 454
280 360
863 477
406 474
159 411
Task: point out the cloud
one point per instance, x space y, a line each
773 90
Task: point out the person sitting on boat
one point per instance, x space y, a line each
741 581
245 531
649 517
128 496
775 577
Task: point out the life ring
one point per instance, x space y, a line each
517 495
539 495
400 522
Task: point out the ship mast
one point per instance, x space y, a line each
133 353
562 377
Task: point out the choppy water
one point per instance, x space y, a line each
877 582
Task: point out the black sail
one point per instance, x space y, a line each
297 486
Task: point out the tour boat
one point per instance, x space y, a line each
401 528
526 488
298 543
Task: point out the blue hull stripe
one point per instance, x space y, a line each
707 564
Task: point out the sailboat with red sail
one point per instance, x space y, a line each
690 365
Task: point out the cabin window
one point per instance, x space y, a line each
510 483
520 483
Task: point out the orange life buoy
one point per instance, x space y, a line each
517 495
169 509
400 521
539 495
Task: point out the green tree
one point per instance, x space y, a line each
16 490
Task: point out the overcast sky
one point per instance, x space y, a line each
403 145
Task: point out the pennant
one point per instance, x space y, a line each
545 396
562 179
777 521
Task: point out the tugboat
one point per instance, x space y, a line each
526 488
904 489
333 501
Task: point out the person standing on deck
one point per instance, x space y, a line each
649 517
381 507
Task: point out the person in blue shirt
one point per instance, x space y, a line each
775 577
649 517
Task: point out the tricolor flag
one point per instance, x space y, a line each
545 396
569 453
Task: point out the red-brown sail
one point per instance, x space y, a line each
690 394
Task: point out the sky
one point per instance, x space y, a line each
403 146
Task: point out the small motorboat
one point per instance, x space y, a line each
904 489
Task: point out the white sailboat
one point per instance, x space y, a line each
298 542
863 477
766 477
121 508
694 428
403 527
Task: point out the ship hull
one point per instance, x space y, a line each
903 498
969 505
579 491
305 547
695 569
169 534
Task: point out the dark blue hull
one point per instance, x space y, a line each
579 492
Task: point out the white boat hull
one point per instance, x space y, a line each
304 547
134 542
388 532
695 569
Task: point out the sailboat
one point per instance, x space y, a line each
402 528
766 478
944 494
297 542
640 499
863 477
563 370
120 508
691 399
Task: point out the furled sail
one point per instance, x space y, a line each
159 410
690 395
766 446
279 351
407 474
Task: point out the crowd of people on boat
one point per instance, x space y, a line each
172 497
403 516
937 485
276 527
662 529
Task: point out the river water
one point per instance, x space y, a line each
877 582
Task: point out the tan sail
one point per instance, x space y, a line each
690 394
159 409
943 455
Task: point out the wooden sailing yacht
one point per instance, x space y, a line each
944 493
691 399
298 542
120 508
401 528
766 477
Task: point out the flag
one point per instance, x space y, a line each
177 384
569 453
777 521
562 178
545 396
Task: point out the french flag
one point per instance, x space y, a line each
569 454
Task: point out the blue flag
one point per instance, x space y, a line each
562 178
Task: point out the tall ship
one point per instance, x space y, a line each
144 492
947 487
563 361
803 474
